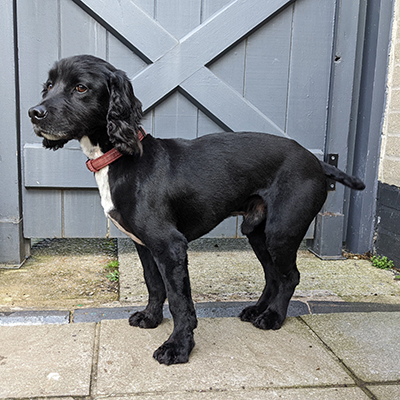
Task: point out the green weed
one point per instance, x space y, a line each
382 262
113 264
113 275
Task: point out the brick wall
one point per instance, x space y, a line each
389 172
388 203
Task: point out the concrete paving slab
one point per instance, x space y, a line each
46 360
229 355
367 343
386 392
268 394
38 317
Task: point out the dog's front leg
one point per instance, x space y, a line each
152 315
171 258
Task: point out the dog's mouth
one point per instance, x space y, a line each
49 135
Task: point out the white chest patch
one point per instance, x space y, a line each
93 152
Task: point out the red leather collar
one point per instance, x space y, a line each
106 159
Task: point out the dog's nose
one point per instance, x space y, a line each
38 112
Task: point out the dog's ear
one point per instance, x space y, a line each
124 114
53 144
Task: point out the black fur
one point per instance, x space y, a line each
169 192
124 114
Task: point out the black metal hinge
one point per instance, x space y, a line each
332 159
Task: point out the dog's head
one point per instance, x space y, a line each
83 96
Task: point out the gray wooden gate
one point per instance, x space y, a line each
198 66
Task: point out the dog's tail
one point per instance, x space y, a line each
340 176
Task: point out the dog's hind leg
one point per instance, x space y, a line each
275 242
281 277
253 226
152 315
257 241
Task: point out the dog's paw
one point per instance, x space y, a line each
269 320
172 352
249 314
144 319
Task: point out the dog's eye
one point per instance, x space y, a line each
81 88
47 86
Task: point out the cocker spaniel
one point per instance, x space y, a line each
163 193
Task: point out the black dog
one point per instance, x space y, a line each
165 193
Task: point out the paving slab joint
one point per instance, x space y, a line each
95 361
358 382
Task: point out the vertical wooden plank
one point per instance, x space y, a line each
8 131
310 69
38 49
267 63
231 67
83 214
178 17
367 119
232 73
11 239
175 117
38 43
342 95
80 33
148 122
42 213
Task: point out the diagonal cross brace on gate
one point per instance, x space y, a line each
183 64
